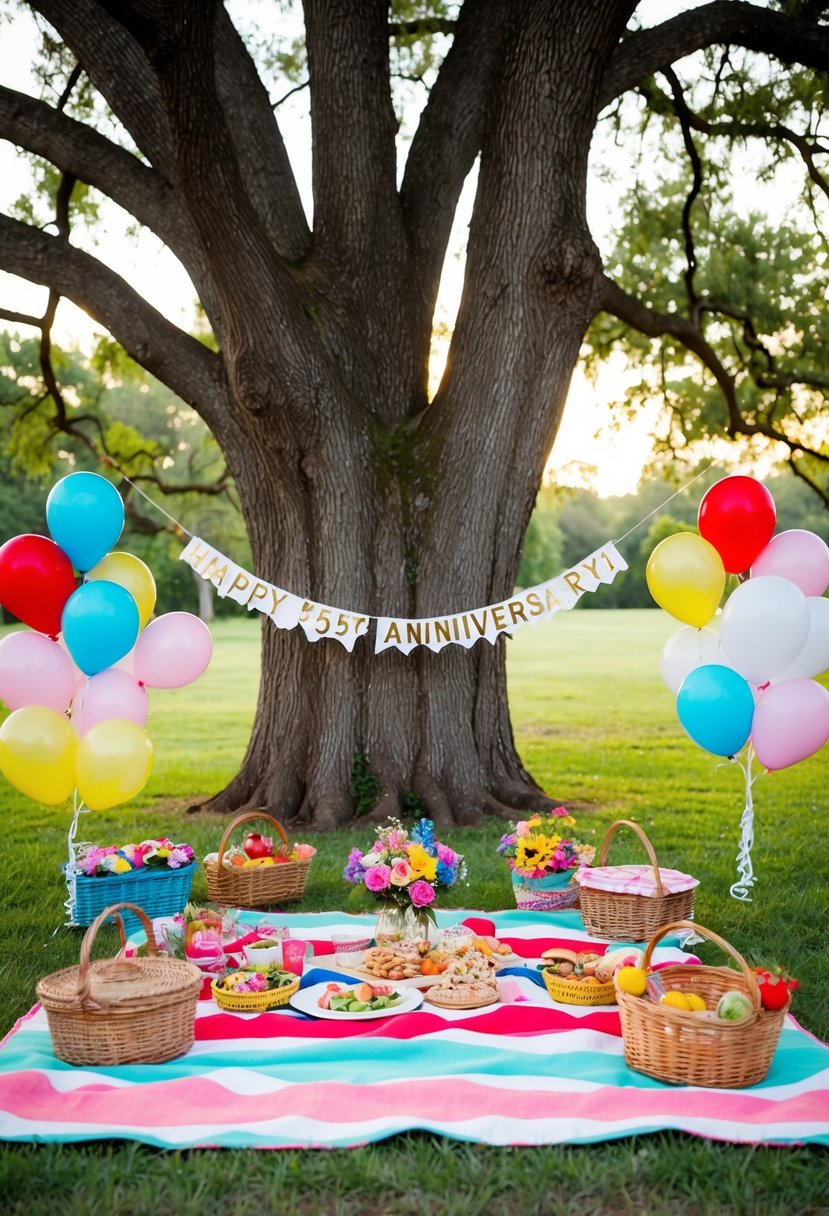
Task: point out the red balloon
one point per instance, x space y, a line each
36 580
737 516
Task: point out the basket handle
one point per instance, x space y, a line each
628 823
748 974
91 933
248 817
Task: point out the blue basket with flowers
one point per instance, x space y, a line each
156 875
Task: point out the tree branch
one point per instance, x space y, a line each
683 114
448 139
263 161
356 208
118 70
77 149
179 361
655 324
789 39
418 28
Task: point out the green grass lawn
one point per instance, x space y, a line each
597 728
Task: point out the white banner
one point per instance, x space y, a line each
317 621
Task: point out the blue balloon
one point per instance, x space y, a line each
85 514
99 625
715 707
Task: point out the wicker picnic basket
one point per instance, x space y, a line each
578 992
689 1048
618 916
239 887
121 1010
160 892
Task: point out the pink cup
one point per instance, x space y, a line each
293 954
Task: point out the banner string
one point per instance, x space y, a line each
180 528
681 490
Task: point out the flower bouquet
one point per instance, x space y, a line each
542 857
405 871
154 874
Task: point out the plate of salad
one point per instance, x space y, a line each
355 1002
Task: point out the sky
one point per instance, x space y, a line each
584 437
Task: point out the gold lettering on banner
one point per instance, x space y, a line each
277 597
358 621
197 556
479 625
442 631
498 617
214 569
536 606
455 629
413 632
516 611
571 578
607 561
465 624
591 566
241 581
392 633
553 601
259 591
306 610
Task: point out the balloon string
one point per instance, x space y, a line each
72 870
681 490
740 889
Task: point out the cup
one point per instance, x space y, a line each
294 953
349 947
263 952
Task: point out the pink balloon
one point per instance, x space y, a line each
801 557
172 651
35 671
791 722
108 694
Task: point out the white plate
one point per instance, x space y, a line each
306 1002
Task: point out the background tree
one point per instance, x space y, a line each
356 487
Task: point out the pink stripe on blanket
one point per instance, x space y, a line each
195 1101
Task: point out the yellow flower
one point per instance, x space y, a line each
422 864
121 866
535 851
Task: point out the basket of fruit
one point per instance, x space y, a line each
254 988
697 1024
257 873
577 979
630 902
121 1010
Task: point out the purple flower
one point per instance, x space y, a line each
448 856
421 893
379 877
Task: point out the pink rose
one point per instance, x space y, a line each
304 852
421 893
378 878
522 828
401 873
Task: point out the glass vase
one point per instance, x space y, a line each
397 923
546 894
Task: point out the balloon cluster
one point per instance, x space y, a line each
77 685
756 679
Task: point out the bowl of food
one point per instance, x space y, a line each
266 952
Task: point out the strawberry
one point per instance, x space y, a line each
775 986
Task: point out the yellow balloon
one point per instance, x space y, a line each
114 760
686 577
37 753
133 575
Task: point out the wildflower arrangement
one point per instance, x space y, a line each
98 862
542 845
407 869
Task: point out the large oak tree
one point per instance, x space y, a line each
356 488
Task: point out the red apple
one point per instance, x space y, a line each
257 846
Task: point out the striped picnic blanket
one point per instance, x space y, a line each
524 1071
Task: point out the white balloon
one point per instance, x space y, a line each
688 649
813 658
764 625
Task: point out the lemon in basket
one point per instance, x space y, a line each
676 1000
632 980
